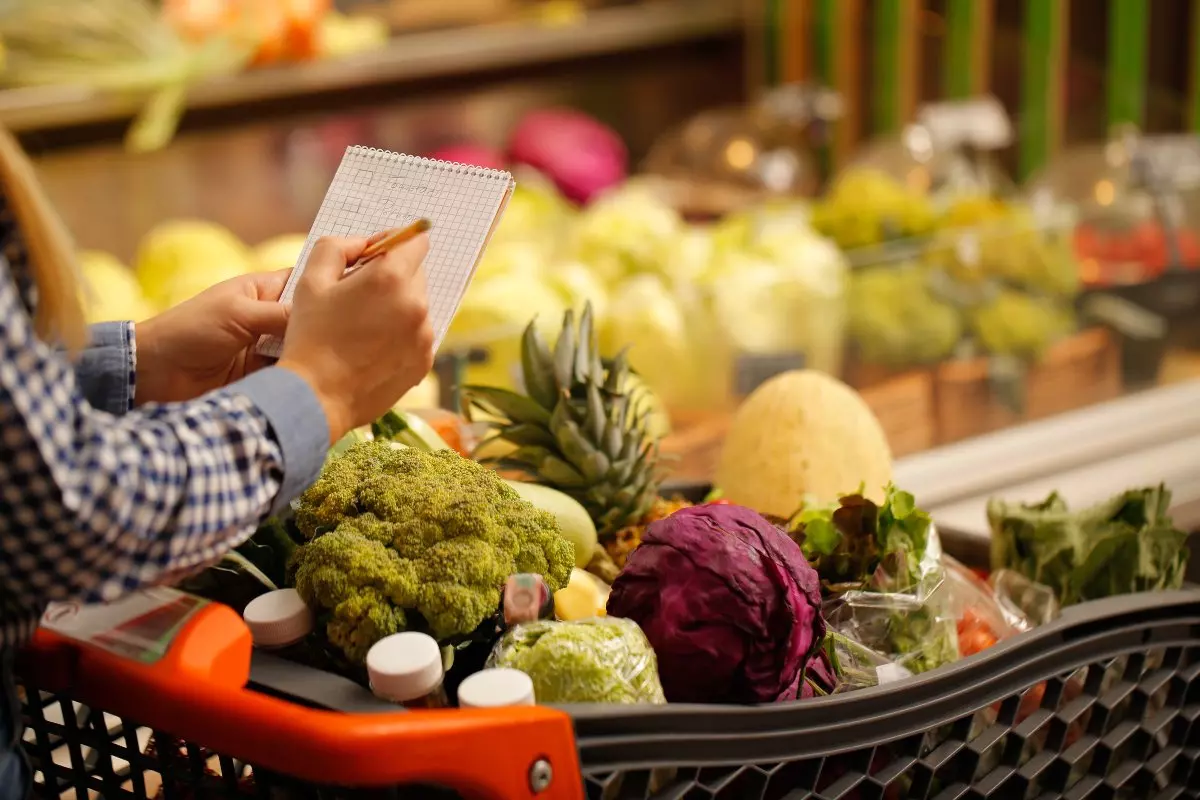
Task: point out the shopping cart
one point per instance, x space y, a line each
1104 702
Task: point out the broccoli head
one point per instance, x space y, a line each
401 538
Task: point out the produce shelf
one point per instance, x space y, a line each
410 57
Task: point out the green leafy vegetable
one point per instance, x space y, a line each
234 581
924 639
849 542
1122 545
270 549
880 576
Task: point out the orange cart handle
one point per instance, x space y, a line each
197 692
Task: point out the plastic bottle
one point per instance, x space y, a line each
526 598
493 688
406 668
280 621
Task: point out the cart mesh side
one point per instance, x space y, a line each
1104 703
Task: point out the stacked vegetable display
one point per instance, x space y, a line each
688 300
158 50
937 277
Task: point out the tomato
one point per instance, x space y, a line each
1087 244
1031 701
1148 235
1189 248
974 634
974 640
720 501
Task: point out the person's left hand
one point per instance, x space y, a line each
208 342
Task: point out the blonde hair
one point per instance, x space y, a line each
59 317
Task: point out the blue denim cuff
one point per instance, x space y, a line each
106 368
298 422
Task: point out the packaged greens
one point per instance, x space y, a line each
1122 545
917 638
857 666
885 555
881 576
599 660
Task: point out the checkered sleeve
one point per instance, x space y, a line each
95 505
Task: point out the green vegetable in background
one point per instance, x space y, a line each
409 539
896 321
1122 545
1020 325
847 543
602 660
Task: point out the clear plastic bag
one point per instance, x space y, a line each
903 612
599 660
1024 603
858 666
892 586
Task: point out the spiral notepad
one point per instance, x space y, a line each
375 190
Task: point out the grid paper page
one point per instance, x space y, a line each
375 190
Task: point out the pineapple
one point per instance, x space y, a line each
579 429
629 538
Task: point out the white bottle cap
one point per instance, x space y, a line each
404 666
492 688
279 618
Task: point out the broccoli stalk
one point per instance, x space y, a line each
408 539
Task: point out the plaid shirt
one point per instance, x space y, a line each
98 499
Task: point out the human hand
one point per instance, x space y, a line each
208 341
360 341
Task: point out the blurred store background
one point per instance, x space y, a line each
982 214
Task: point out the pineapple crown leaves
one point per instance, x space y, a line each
580 428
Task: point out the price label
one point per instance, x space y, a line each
890 673
980 122
1167 162
140 626
752 370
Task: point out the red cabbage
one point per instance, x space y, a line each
730 604
579 154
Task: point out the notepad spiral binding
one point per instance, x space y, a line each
446 166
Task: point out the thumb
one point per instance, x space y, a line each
264 317
330 257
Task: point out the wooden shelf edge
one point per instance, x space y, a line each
410 57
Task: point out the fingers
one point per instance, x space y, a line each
268 285
264 317
329 258
412 253
395 269
377 237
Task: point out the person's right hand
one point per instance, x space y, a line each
364 340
